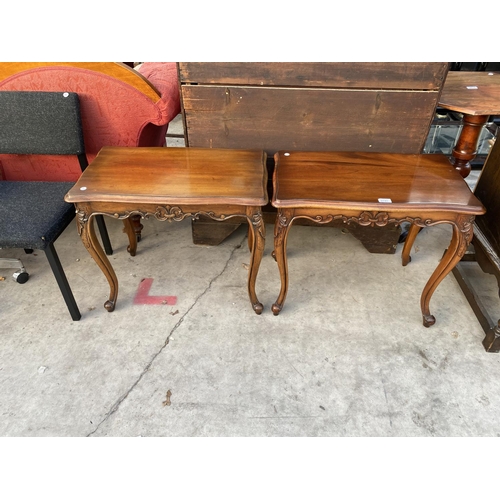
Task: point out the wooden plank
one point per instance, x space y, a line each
375 75
307 119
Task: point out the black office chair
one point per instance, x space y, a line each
33 213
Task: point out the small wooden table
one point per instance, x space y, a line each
373 189
475 94
172 184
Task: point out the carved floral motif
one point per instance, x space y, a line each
169 213
465 224
258 222
363 219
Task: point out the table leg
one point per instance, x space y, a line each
250 237
281 229
135 221
257 239
465 149
129 229
410 239
87 233
462 235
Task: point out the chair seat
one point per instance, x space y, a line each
33 214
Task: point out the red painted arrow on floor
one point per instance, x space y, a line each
142 296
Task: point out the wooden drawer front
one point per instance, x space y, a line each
307 119
375 75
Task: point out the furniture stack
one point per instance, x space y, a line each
342 142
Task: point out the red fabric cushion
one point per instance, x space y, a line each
163 76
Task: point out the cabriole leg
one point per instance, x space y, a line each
462 234
87 233
281 228
410 239
257 238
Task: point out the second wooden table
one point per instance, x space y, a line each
373 189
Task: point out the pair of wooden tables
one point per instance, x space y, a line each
370 189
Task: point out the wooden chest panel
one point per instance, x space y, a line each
310 119
372 75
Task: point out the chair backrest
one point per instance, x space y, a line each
41 123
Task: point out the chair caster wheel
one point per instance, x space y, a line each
21 277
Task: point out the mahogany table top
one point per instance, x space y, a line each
370 181
174 175
471 92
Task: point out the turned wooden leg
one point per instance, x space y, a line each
281 228
462 234
410 239
87 233
128 227
136 223
465 149
257 236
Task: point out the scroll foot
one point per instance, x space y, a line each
428 320
258 308
276 309
131 251
109 306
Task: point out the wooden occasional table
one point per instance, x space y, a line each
373 189
171 184
475 94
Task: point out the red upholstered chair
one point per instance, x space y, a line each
119 107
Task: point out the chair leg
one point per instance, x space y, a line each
104 235
62 281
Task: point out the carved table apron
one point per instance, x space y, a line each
170 184
423 190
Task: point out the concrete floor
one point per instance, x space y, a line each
348 355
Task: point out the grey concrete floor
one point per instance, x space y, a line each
348 355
